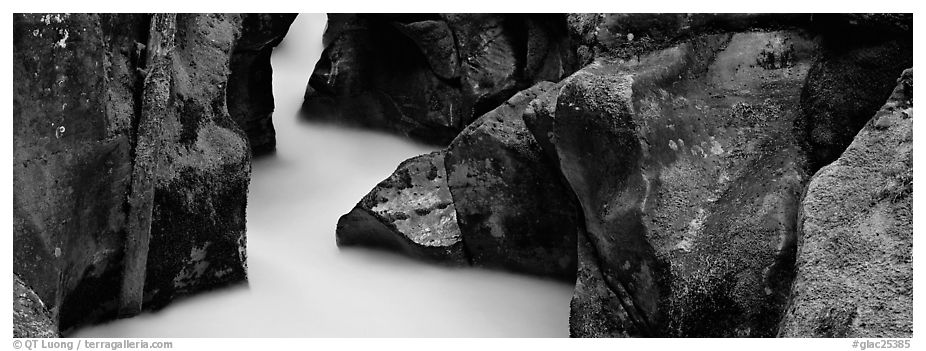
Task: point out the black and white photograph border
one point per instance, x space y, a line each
279 175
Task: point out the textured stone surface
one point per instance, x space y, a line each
688 173
75 89
514 209
499 204
427 75
31 319
854 261
250 91
198 228
629 35
848 83
78 87
410 212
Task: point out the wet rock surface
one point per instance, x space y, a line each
250 94
854 259
428 76
82 83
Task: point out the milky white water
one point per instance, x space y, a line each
302 285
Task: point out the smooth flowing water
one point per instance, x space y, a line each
302 285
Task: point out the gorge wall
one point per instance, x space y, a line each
695 175
130 174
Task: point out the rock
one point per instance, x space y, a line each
30 317
549 51
514 209
428 76
436 43
410 212
81 86
838 99
629 35
250 91
198 232
371 75
75 89
671 155
599 312
486 209
854 259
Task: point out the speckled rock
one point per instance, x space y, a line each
250 91
428 76
410 212
514 209
198 228
75 83
80 86
31 319
688 174
854 260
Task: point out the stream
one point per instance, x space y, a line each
302 285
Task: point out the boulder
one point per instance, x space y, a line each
410 212
688 174
250 90
428 76
490 199
514 209
854 260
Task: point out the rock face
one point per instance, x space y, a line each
73 107
82 86
30 317
427 75
628 35
410 212
250 90
198 229
498 204
514 210
688 174
854 260
861 55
